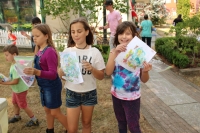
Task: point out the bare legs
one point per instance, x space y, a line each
73 118
52 114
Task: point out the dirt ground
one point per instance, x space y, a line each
103 117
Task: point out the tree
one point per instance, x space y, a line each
156 10
183 7
85 8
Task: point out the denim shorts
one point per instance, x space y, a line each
74 99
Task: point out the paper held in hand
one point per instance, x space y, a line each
136 53
4 78
70 66
21 63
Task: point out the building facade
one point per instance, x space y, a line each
21 12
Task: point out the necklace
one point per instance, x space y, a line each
81 48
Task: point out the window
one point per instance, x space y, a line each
17 11
26 10
8 8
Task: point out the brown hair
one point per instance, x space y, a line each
89 37
122 27
44 28
12 49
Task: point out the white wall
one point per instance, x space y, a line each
37 6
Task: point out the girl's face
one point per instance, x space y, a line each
9 57
78 33
125 37
39 38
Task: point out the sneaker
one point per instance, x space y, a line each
14 119
32 123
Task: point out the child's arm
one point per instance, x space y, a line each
111 62
98 74
13 82
32 71
26 35
61 73
144 72
111 59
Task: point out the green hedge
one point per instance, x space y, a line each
165 47
105 50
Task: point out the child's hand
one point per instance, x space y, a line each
23 33
30 71
121 48
61 73
101 27
86 65
147 67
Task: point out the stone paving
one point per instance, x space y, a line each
169 103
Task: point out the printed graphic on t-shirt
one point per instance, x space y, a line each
85 58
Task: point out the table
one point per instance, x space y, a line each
3 115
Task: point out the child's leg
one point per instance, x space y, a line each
88 101
56 113
49 118
120 114
29 112
16 108
73 118
22 103
87 112
132 111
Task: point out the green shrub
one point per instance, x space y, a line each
168 48
102 48
105 50
162 41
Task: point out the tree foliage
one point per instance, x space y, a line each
183 7
90 9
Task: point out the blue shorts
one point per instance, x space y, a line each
74 99
51 97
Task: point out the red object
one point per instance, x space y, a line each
13 38
134 13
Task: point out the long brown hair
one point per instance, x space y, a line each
44 28
89 37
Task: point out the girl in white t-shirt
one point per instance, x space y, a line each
125 87
81 98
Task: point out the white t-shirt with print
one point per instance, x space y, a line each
93 56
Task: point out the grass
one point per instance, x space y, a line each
103 117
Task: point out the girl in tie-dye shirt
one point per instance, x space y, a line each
125 88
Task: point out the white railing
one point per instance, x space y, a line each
23 42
